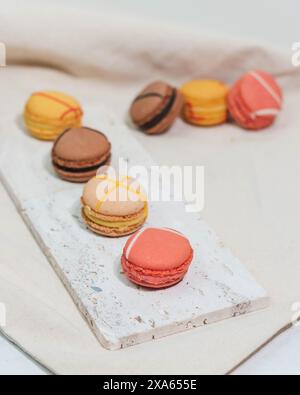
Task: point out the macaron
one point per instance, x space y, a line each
156 108
78 153
48 114
114 206
205 102
255 100
157 257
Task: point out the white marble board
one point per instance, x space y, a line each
121 314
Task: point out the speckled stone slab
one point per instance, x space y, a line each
121 314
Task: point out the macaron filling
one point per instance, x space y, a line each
112 222
77 170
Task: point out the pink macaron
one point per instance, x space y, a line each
255 100
157 257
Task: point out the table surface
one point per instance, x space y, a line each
281 356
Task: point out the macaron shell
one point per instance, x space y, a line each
260 91
204 117
238 110
149 102
242 115
205 92
78 177
212 121
158 249
105 197
53 106
50 126
45 131
113 233
81 145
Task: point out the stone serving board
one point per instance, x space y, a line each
121 314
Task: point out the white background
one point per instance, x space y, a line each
275 23
271 21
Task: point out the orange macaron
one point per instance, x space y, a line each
157 257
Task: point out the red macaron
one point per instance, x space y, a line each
157 257
255 100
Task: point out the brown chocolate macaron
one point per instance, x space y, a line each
156 108
78 153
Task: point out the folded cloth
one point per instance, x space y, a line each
251 196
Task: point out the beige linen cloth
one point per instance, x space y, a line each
252 182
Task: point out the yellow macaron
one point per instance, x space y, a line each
205 102
48 114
